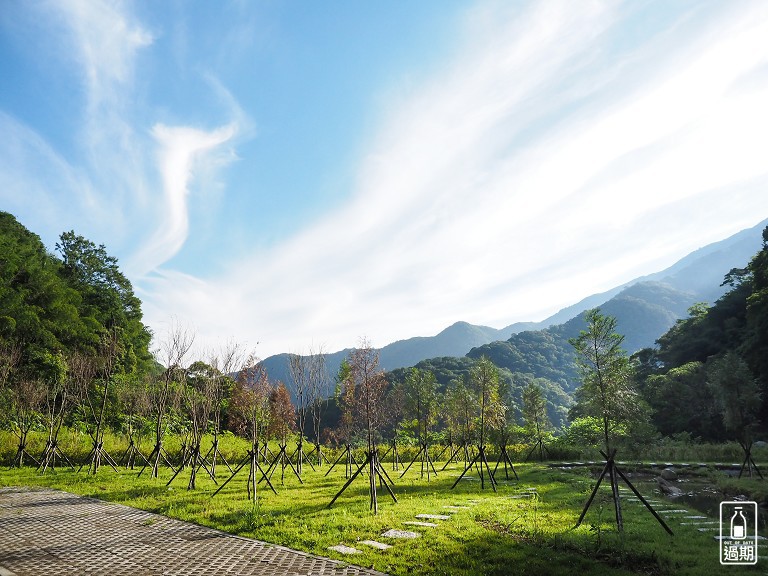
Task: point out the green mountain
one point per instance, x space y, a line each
645 309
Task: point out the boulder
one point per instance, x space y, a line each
669 474
667 488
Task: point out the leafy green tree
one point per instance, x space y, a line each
460 410
107 298
681 401
535 415
491 410
736 394
607 391
421 400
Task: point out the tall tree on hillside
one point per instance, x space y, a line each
107 296
755 346
607 393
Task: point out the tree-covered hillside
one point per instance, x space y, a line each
678 377
52 305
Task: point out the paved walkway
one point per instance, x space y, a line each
51 532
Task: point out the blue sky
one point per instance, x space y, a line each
305 173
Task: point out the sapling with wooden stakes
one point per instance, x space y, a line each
366 387
535 418
224 364
459 418
61 385
282 422
421 403
484 378
250 412
300 368
132 395
607 393
95 396
164 389
738 399
197 394
345 397
319 391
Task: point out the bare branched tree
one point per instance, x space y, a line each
249 411
171 354
319 384
26 395
97 394
367 385
226 364
60 388
300 369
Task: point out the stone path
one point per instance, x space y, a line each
51 532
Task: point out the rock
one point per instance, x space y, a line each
374 544
400 534
760 444
341 549
667 488
669 474
424 524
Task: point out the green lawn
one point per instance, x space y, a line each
491 533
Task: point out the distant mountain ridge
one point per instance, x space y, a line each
645 309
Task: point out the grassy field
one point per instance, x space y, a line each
508 532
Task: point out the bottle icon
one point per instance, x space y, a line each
738 525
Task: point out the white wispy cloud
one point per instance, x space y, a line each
534 169
123 182
181 150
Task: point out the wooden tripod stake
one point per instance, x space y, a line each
481 460
504 457
375 470
748 463
253 459
614 473
349 460
426 461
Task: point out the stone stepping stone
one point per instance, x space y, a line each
456 508
695 517
401 534
378 545
699 523
425 524
663 512
341 549
433 516
709 529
